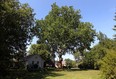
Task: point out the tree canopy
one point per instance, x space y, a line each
63 31
41 49
16 25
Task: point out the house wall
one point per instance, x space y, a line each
35 59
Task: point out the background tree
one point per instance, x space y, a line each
87 62
44 51
77 56
108 63
93 58
41 49
16 25
70 63
115 27
63 32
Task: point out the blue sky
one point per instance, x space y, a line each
99 12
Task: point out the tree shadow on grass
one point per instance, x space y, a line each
34 75
41 74
38 74
52 74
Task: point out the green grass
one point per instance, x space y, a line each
76 74
59 74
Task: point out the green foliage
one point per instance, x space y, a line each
100 50
16 25
70 62
62 30
74 74
76 55
108 65
92 58
87 62
41 49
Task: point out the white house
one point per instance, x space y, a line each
33 61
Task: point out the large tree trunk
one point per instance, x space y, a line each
60 61
53 59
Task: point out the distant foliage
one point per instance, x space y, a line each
40 49
87 62
70 63
93 58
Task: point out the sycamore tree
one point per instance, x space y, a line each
63 31
16 25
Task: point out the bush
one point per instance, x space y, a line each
87 61
108 65
85 65
70 63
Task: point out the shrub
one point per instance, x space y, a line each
108 65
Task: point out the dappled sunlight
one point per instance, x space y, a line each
77 74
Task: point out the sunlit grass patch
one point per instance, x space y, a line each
79 74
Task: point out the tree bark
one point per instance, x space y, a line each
60 60
53 59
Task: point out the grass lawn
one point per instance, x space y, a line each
60 74
74 74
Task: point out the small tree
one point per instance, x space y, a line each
108 65
92 58
70 63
